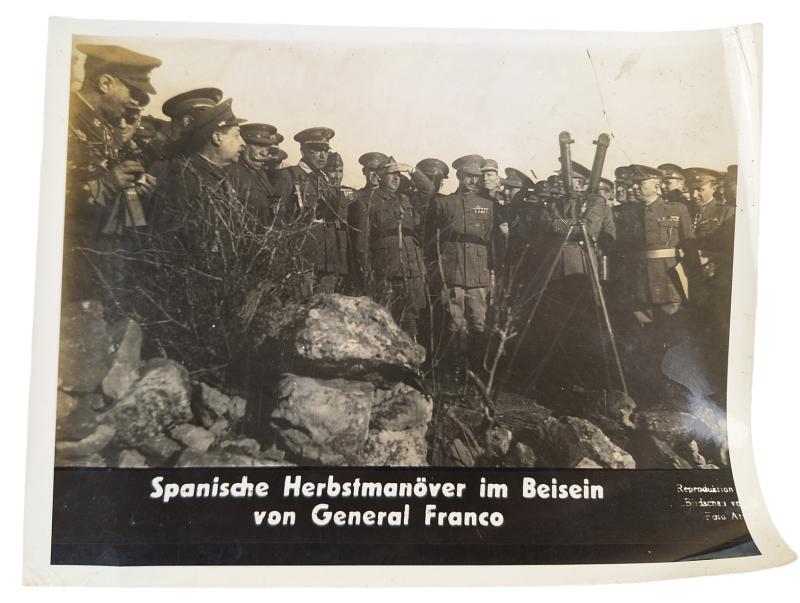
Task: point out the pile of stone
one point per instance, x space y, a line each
602 429
350 395
354 397
115 410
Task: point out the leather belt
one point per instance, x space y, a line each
659 253
466 238
392 232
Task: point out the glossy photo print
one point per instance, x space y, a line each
324 296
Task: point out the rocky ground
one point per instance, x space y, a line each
348 392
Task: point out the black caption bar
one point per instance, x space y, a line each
366 516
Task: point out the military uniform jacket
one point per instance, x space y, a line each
93 146
707 219
464 222
648 237
308 199
386 238
254 189
600 226
197 209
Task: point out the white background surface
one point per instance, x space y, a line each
776 394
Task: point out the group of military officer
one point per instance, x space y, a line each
397 238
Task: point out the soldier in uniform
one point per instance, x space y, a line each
714 224
389 259
568 344
344 198
564 213
520 212
249 175
104 182
309 208
659 270
491 187
196 194
651 235
460 226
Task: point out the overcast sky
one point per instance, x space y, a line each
415 94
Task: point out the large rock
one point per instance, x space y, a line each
324 421
126 342
157 401
563 442
88 446
84 347
75 417
407 448
400 408
343 336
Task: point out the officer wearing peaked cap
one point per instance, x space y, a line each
387 251
624 184
650 234
334 167
249 175
460 225
515 182
103 178
710 211
197 191
370 164
258 139
309 205
674 182
714 224
491 179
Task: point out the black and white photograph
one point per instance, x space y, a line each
440 275
510 281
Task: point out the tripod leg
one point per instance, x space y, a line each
597 285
